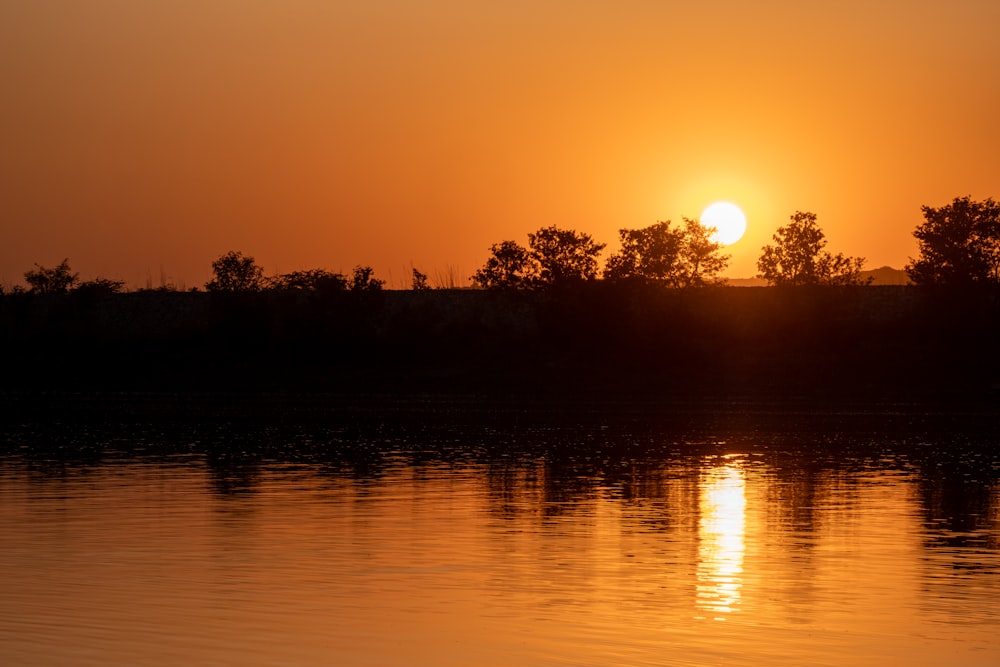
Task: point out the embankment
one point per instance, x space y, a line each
878 342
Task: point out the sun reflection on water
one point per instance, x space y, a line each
721 545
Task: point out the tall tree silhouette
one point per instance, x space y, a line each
700 258
797 257
673 256
554 257
959 244
509 267
564 255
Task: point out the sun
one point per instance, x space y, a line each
728 220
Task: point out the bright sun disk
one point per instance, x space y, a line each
728 221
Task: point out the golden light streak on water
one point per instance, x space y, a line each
721 543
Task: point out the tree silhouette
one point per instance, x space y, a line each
648 254
700 258
554 257
312 279
797 257
419 281
563 255
660 254
58 280
364 280
509 266
236 272
959 244
100 287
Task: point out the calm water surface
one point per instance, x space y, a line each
498 543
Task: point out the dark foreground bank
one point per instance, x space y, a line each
890 343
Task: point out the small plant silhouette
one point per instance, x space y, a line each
419 281
58 280
364 280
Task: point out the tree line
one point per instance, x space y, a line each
232 272
959 245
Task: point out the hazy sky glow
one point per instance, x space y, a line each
146 135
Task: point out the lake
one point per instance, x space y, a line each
456 533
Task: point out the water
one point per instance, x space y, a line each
516 539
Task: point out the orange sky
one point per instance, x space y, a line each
144 137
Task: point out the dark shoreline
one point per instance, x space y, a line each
597 344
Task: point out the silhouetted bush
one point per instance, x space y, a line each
319 280
419 280
58 280
363 280
235 272
99 287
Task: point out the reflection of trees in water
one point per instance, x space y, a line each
798 498
554 495
513 485
552 486
556 485
535 465
656 494
540 485
365 467
558 482
959 490
568 483
233 473
239 457
959 513
792 501
804 502
960 499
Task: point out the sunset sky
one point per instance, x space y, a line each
144 138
